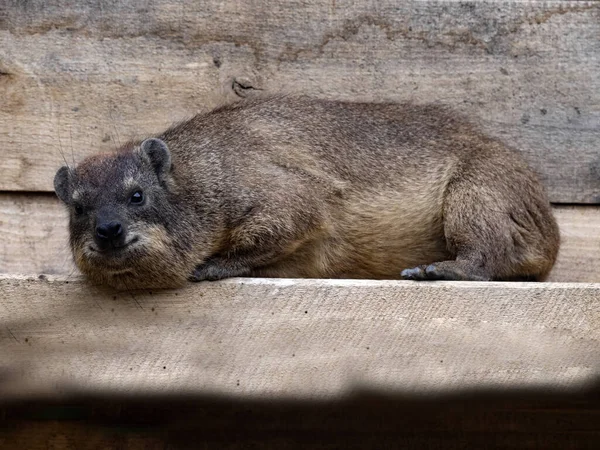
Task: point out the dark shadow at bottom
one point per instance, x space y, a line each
518 418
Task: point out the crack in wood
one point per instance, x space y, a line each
243 88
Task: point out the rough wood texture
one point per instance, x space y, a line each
33 235
84 75
34 239
303 339
579 256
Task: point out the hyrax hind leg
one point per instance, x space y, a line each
498 225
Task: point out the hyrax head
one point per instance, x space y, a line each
119 206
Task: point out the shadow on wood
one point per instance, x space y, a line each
516 418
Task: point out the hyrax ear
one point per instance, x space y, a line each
62 184
157 152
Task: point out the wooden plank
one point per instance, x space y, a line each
303 339
579 255
83 76
34 239
34 235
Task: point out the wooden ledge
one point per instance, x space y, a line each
283 338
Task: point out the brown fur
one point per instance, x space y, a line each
295 187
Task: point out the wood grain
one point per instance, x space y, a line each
34 239
34 235
302 339
80 77
579 255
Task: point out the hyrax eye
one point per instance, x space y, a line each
137 197
78 210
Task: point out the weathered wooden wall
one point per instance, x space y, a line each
81 76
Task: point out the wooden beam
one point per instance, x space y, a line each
579 256
304 339
77 77
34 230
35 239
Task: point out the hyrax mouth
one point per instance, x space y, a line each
115 248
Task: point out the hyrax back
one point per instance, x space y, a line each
297 187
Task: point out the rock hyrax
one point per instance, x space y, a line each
298 187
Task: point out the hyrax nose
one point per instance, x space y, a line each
109 231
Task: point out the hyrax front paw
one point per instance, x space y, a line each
208 272
444 270
215 269
416 273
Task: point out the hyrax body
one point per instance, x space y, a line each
296 187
